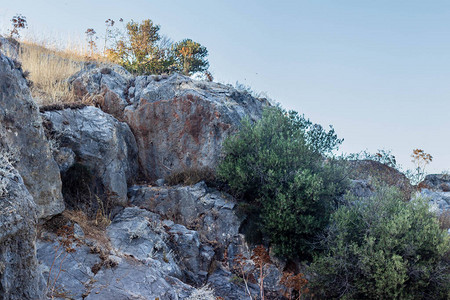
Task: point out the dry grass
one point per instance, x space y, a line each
93 229
48 70
190 176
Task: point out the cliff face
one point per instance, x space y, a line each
21 129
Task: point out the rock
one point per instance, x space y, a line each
105 85
209 212
76 268
436 182
195 257
229 286
138 233
134 280
373 171
19 275
101 143
439 201
21 128
181 123
9 47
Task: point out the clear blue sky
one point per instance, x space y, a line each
377 70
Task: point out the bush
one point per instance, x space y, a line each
142 50
383 248
277 166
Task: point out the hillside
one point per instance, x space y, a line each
108 189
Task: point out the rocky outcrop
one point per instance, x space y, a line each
372 171
98 141
436 182
207 211
137 264
9 47
104 86
178 122
21 129
19 276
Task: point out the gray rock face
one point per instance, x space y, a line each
138 233
210 213
180 123
9 47
100 142
21 128
19 276
105 85
437 182
439 201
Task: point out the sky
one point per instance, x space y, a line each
378 71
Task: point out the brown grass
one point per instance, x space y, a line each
93 229
190 176
49 70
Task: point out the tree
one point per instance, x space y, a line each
383 248
138 49
190 57
277 166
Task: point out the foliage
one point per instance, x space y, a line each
420 159
262 260
142 50
278 166
138 51
190 57
90 36
18 22
294 283
383 248
382 156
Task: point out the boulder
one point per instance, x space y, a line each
100 142
207 211
181 123
436 182
19 275
105 86
21 129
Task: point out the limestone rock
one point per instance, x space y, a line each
209 212
19 276
21 128
181 123
105 85
100 142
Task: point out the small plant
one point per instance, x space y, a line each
294 283
18 23
420 159
108 33
244 268
203 293
262 260
90 36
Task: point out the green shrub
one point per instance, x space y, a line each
142 50
383 248
277 165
